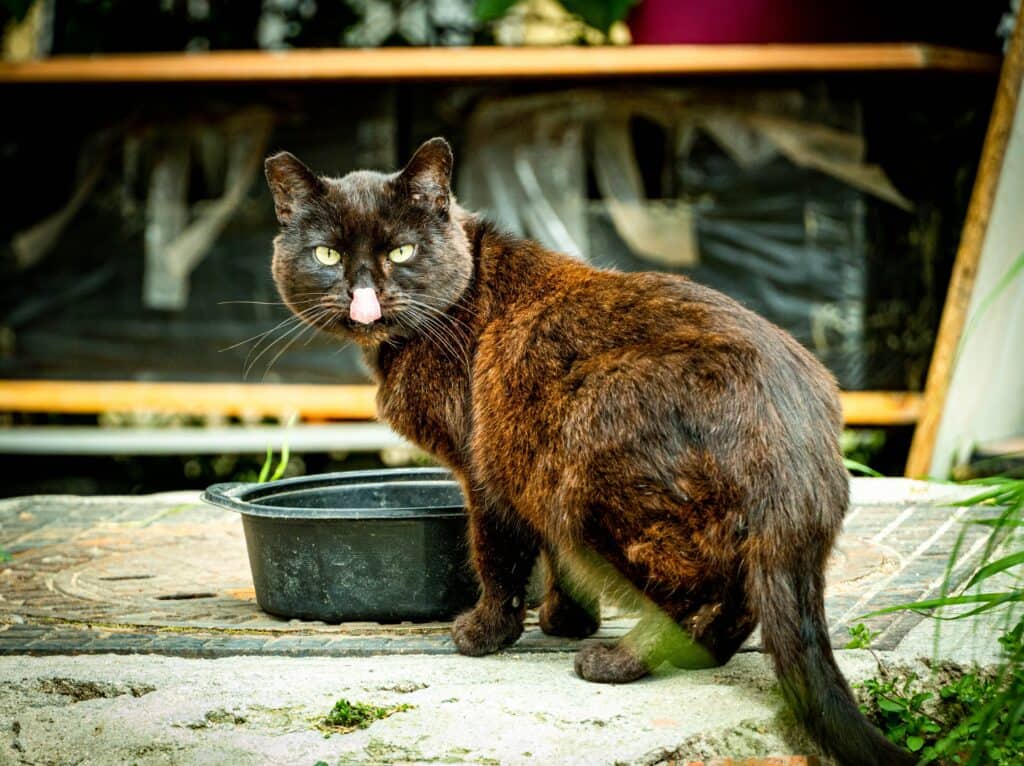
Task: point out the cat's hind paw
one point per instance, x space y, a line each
609 664
561 616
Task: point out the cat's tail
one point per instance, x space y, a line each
790 603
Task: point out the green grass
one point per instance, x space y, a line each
958 716
970 717
282 464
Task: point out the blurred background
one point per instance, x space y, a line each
141 344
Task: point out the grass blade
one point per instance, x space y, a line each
1014 559
283 464
936 603
265 470
853 466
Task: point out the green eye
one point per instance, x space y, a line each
328 256
402 254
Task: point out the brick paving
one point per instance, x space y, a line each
166 574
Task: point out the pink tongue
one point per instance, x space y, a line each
365 308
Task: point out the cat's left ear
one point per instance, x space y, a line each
428 176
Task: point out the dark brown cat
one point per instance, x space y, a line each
649 435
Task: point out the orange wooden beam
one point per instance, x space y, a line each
493 63
327 402
355 402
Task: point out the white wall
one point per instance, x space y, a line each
986 394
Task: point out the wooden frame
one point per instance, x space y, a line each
965 267
494 62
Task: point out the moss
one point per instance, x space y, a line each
348 716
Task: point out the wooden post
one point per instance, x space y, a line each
965 268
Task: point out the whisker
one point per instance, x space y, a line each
300 319
441 335
284 321
288 346
439 312
265 332
262 303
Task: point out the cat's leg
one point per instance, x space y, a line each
722 626
654 640
700 636
503 553
566 611
657 637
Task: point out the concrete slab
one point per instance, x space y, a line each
522 706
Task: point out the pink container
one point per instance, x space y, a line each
654 22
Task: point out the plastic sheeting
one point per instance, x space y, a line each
763 195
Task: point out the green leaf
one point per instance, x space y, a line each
919 698
914 743
891 706
492 10
853 466
600 14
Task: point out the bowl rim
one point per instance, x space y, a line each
244 497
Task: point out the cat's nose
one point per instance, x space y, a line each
365 308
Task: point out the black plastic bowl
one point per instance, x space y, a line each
386 545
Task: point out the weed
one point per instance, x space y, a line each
975 717
282 464
972 717
861 637
348 716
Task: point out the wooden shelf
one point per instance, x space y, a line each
317 402
494 63
232 399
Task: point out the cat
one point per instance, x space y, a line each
645 434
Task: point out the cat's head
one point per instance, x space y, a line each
369 256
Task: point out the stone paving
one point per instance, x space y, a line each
167 574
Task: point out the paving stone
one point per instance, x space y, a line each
119 561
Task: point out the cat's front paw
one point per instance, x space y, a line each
483 631
609 664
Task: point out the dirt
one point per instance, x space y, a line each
78 690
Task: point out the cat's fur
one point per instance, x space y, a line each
642 431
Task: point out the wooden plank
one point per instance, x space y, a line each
965 267
235 399
310 401
492 62
880 408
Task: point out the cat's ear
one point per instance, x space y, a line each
291 183
428 176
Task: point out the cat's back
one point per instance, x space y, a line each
578 351
558 312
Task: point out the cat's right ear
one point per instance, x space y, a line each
291 183
428 176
